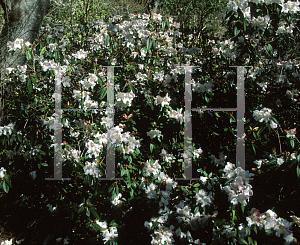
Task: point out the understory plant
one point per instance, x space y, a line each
224 203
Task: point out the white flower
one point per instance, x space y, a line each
52 46
203 198
114 61
66 81
166 157
102 224
273 125
291 133
22 69
296 220
2 172
198 152
81 54
110 234
90 168
262 115
117 201
9 70
7 242
10 46
18 43
154 133
290 7
283 227
280 161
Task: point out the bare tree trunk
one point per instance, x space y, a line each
23 20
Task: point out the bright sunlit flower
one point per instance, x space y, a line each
81 54
290 133
2 172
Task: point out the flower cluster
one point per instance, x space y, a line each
124 99
162 100
178 115
262 115
204 198
116 200
166 157
17 44
7 129
89 82
108 233
198 152
81 54
91 168
239 190
154 133
269 221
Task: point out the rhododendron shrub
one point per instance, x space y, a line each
147 131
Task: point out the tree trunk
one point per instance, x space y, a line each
23 20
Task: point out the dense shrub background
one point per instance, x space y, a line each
31 212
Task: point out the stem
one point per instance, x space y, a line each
276 131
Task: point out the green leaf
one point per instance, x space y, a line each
260 130
248 231
128 176
154 44
233 215
93 211
292 142
151 148
28 55
102 93
197 185
106 40
82 28
271 48
96 226
149 43
298 171
43 50
219 222
57 56
80 209
206 98
243 208
152 106
20 138
250 240
5 187
241 241
29 86
236 31
255 229
253 147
